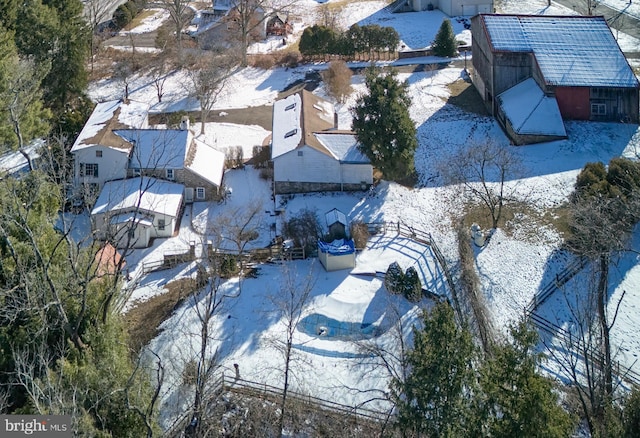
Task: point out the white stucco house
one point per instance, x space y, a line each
117 143
99 154
176 155
130 212
309 153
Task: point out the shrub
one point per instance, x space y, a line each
266 173
263 61
304 230
445 44
290 58
234 157
359 233
261 156
338 80
412 287
122 16
394 278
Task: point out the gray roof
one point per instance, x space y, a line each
570 50
157 148
343 146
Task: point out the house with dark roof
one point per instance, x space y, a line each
534 71
309 153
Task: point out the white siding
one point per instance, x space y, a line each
112 165
357 173
311 166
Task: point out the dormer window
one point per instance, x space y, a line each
290 106
291 133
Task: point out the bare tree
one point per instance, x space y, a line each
483 170
96 13
178 11
291 303
208 78
159 74
250 16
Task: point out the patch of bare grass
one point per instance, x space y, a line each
465 96
143 320
137 20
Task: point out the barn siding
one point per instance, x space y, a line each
573 102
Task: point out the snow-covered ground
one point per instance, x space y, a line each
513 267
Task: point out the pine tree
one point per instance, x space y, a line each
516 399
383 127
445 44
435 398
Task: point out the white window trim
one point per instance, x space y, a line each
200 193
598 109
172 172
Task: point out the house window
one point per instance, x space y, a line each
290 107
135 172
161 224
170 175
98 154
300 153
89 169
199 192
598 109
291 133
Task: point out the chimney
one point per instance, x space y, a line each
184 124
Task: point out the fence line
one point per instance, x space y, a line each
265 391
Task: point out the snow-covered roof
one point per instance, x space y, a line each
131 217
570 50
343 146
157 148
295 120
530 111
147 195
15 162
108 116
335 215
206 161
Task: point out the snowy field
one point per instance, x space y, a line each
513 266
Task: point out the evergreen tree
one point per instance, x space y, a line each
435 398
445 43
516 399
385 131
631 414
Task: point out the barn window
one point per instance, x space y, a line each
598 109
98 154
291 133
89 169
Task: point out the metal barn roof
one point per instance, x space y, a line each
570 50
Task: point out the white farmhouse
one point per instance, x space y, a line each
99 154
130 212
309 153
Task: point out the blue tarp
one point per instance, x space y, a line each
337 247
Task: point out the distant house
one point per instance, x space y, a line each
130 212
450 7
176 155
534 71
309 154
99 154
16 163
279 25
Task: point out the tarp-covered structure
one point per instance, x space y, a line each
337 255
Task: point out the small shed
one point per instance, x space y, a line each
337 255
336 223
279 25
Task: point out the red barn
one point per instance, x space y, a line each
533 71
